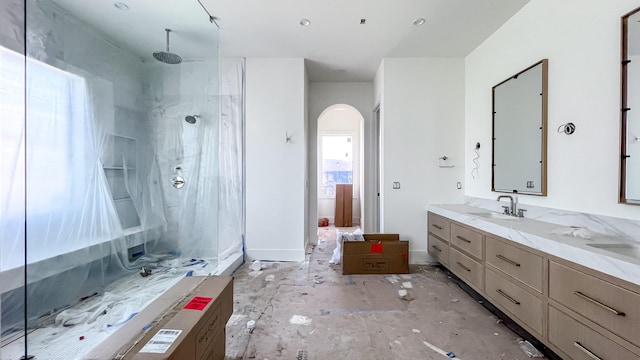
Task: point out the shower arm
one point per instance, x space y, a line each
168 31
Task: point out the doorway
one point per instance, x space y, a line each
339 159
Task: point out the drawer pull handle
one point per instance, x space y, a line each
437 248
596 302
506 259
586 351
463 239
508 297
437 226
462 266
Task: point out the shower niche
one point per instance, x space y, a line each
119 165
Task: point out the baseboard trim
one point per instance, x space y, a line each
420 257
275 254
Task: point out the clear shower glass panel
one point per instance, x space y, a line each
12 184
98 130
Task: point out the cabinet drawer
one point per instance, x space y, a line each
439 249
612 307
439 226
466 268
580 342
515 300
515 262
466 239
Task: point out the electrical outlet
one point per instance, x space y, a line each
396 185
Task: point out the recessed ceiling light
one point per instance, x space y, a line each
121 6
419 21
305 22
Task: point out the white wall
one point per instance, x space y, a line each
423 119
581 39
275 170
322 95
306 160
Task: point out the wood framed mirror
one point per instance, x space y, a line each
630 110
519 156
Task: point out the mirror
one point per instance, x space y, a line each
630 118
520 132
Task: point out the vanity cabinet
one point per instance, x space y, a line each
523 266
438 241
576 311
578 341
467 268
516 301
439 226
466 255
439 249
467 240
590 299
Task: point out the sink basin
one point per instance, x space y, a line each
632 250
494 215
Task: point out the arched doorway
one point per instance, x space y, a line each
340 159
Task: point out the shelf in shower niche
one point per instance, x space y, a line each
117 168
125 137
123 198
132 230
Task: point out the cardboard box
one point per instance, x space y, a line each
381 237
378 254
186 322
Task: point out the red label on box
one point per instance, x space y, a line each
198 303
376 248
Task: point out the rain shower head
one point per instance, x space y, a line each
191 119
167 57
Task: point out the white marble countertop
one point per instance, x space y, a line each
542 236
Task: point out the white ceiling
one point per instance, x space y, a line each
336 45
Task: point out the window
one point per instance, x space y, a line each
56 145
337 162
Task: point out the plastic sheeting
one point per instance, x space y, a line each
86 186
231 200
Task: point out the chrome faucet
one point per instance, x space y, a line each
511 210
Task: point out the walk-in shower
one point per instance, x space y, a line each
105 117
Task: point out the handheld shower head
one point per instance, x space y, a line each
191 119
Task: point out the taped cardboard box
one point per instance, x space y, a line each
381 237
186 322
378 254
